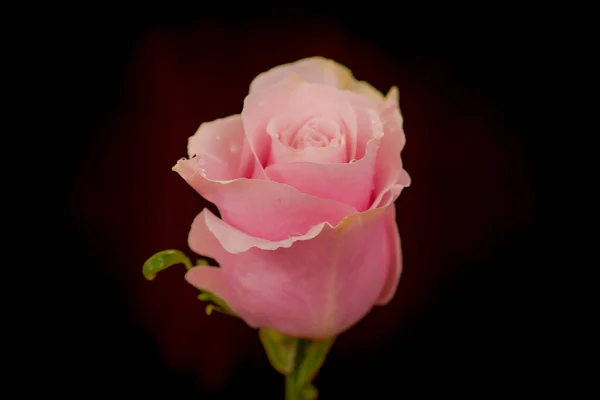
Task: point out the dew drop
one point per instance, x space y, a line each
234 148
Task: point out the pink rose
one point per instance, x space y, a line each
305 179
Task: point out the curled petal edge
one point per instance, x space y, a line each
235 241
264 198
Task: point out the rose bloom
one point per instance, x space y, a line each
305 180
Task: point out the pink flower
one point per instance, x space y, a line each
304 179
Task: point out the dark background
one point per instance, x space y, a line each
137 84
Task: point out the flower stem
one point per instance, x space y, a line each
292 389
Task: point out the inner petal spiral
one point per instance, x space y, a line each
317 132
315 139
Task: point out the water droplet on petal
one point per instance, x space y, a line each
234 147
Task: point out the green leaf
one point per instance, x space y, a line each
314 357
281 350
163 260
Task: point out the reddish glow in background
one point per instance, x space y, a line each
461 220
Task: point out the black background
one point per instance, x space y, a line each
135 84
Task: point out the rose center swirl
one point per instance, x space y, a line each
317 132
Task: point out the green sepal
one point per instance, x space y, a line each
298 359
219 304
163 260
309 392
166 258
280 349
315 353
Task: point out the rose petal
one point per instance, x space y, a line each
311 100
369 126
358 100
350 183
367 91
322 71
259 108
299 101
264 209
283 154
389 171
366 112
320 285
285 129
390 194
395 263
314 70
235 241
220 149
211 279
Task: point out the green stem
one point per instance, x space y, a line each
292 391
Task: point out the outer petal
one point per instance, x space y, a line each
318 70
389 195
221 149
211 279
314 70
358 100
265 209
395 261
389 170
350 183
312 286
366 90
